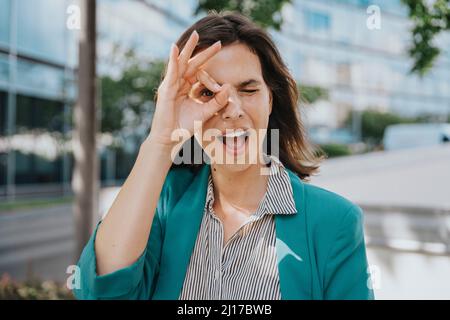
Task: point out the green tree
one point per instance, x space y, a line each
429 18
127 99
374 123
266 13
311 94
332 150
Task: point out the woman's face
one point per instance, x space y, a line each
233 138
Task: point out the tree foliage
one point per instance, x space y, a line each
127 99
429 18
332 150
374 123
266 13
311 94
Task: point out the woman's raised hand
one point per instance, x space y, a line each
175 108
123 234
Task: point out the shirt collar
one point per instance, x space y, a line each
278 199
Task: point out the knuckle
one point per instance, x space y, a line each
218 100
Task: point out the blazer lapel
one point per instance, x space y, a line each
292 248
182 227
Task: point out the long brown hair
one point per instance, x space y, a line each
295 152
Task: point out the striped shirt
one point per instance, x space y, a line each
245 268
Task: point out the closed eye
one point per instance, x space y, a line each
249 91
209 93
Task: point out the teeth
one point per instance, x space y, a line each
234 134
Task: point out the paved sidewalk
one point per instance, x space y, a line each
414 177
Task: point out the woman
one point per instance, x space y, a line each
244 228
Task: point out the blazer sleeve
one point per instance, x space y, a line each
135 282
346 270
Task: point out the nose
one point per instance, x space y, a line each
233 110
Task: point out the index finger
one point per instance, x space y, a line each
199 59
187 51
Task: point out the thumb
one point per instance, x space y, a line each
219 101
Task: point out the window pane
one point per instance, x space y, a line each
41 28
3 162
4 69
39 79
4 21
3 150
125 161
38 140
317 20
3 108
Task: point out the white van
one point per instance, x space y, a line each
401 136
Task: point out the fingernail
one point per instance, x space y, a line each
218 42
172 48
194 32
217 87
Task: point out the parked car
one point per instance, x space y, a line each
401 136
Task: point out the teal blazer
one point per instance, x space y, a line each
320 250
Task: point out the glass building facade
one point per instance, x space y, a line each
325 43
37 82
328 43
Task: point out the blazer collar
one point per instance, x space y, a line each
183 224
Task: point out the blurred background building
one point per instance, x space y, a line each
350 75
326 44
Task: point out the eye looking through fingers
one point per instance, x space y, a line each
189 66
201 93
206 93
205 88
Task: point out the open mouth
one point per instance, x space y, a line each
234 141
